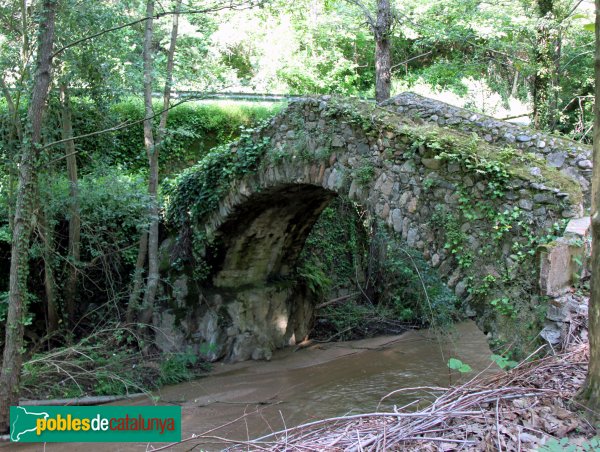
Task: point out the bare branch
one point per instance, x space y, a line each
572 11
411 59
244 4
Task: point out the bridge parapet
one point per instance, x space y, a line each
570 157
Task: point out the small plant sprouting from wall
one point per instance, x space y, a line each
364 174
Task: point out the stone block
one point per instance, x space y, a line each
551 333
559 266
556 159
397 220
434 164
579 227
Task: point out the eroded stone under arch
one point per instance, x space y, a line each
261 239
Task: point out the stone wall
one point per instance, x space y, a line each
475 212
572 158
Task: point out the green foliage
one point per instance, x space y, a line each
407 289
410 288
5 235
505 307
503 290
198 190
113 209
564 445
175 368
322 47
337 253
354 320
457 364
335 249
455 238
107 362
328 53
484 162
364 174
192 129
314 277
503 362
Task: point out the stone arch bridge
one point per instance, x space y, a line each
481 199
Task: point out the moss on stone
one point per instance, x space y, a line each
516 162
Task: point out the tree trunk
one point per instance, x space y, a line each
515 85
544 61
138 279
383 60
15 137
590 395
149 144
169 75
10 373
70 290
153 152
13 109
47 235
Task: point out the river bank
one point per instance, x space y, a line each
249 399
532 407
392 392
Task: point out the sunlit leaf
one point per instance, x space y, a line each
457 364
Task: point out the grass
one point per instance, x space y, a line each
108 362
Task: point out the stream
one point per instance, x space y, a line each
249 399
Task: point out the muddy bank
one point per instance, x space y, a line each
250 399
531 406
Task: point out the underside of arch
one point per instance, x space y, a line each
261 240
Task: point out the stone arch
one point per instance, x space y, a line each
263 236
447 194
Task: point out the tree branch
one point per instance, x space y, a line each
365 11
12 109
571 11
411 59
245 4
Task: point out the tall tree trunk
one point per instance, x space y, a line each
47 235
70 289
545 57
383 60
153 275
591 392
553 112
515 85
162 127
149 144
10 373
15 137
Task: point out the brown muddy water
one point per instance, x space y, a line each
249 399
